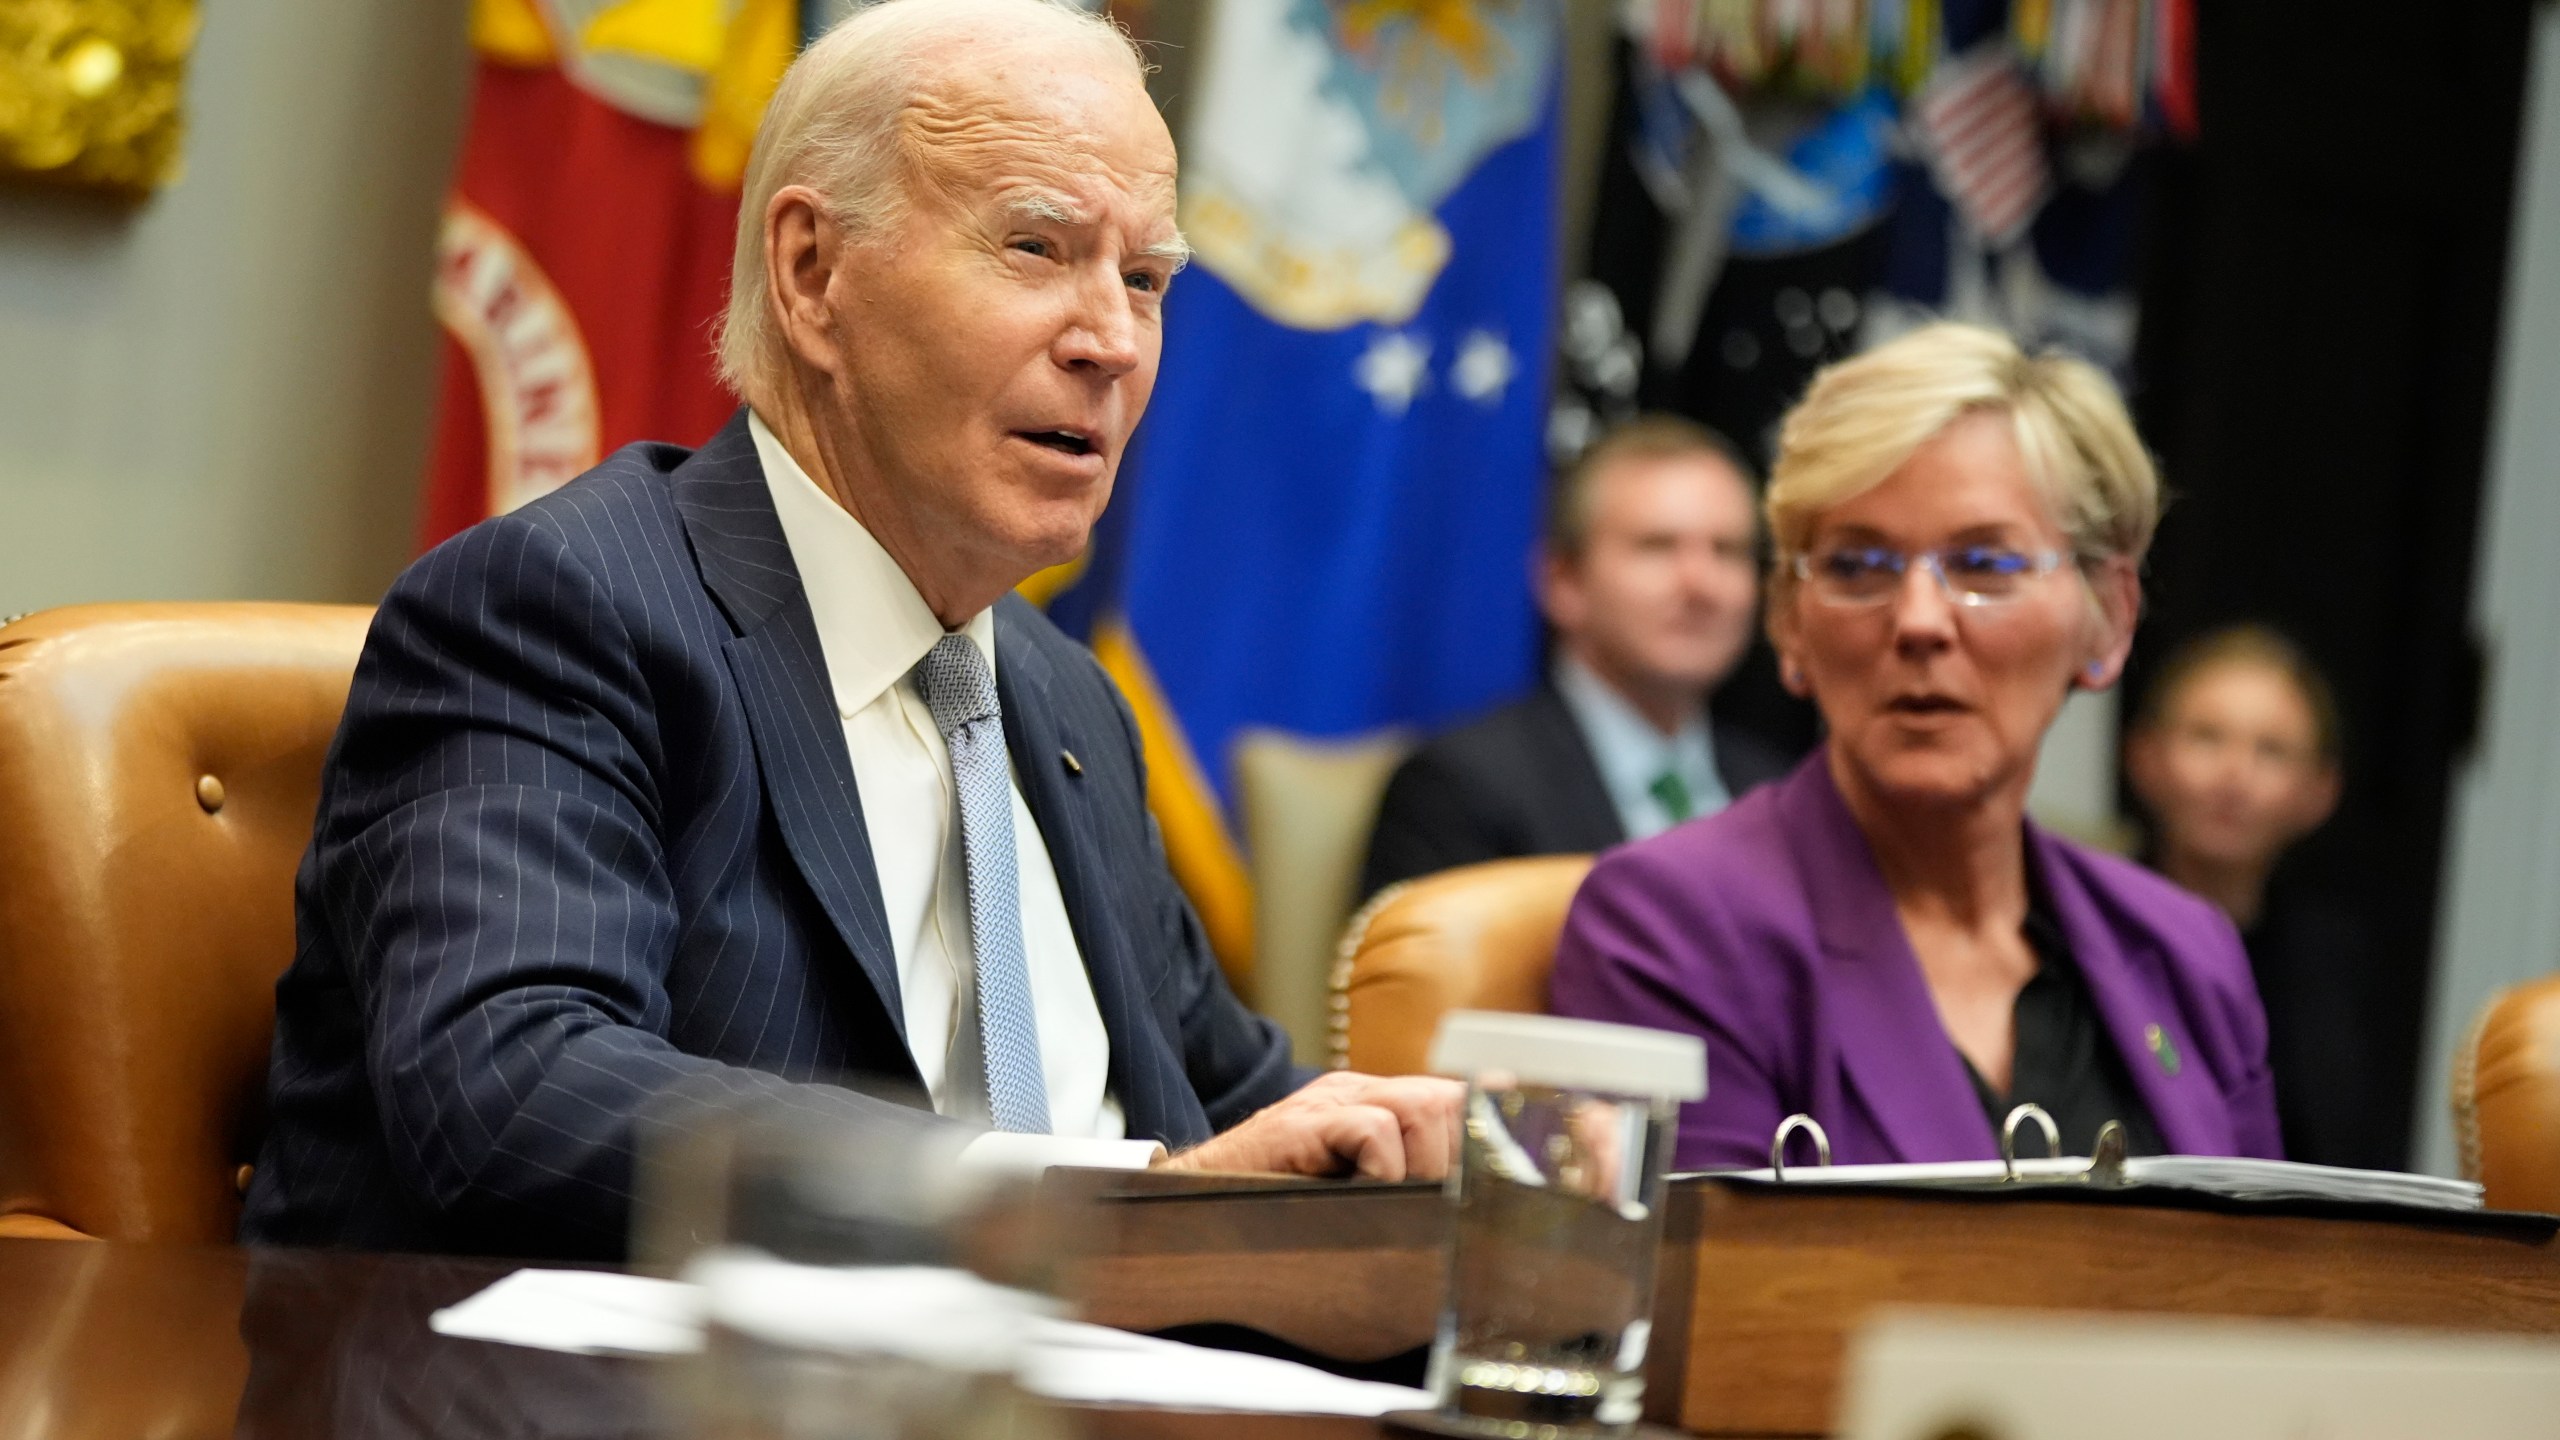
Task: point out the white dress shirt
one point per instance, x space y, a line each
1633 755
874 629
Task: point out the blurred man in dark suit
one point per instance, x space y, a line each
1651 582
721 775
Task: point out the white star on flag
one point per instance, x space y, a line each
1484 368
1392 370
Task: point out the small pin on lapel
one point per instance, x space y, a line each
2161 1050
1074 765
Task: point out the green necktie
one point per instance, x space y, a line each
1673 792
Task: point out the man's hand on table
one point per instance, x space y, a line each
1378 1128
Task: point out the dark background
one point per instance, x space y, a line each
2321 289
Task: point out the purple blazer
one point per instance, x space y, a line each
1767 929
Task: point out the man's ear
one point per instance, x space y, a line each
803 250
2118 592
1560 595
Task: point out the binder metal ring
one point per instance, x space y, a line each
2107 1157
2009 1137
1786 1130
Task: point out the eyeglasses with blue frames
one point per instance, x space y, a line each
1969 575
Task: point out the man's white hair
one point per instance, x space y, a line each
834 126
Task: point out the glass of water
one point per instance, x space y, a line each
1559 1198
855 1280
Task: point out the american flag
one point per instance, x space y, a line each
1980 130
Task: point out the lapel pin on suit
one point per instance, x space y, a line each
2161 1048
1074 765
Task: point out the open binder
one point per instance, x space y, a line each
2111 1176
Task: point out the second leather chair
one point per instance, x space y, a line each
1480 937
159 770
2506 1098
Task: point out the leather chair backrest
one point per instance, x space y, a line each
1480 937
2506 1098
159 770
1307 806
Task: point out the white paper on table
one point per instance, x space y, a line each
584 1312
1094 1364
593 1312
1923 1173
2238 1177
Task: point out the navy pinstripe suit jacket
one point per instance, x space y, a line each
588 847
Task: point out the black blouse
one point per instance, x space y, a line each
2064 1060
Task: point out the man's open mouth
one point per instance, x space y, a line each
1065 442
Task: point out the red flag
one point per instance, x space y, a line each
2175 68
585 248
1984 139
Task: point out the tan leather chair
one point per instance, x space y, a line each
159 769
1481 937
1307 807
2506 1098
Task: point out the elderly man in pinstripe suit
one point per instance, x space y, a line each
739 771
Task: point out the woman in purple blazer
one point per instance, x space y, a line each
1883 941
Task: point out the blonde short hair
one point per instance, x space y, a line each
836 124
1864 417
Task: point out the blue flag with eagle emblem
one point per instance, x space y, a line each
1326 523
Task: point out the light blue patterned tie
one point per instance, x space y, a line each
961 692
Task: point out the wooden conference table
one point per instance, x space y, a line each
1759 1290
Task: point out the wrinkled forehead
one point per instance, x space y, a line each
1020 128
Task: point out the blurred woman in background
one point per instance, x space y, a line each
1883 941
2234 755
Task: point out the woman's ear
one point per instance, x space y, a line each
1783 639
2145 767
2317 801
1791 675
2118 593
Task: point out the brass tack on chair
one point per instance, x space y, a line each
209 793
240 1178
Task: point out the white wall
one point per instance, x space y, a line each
2075 785
225 391
2500 918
